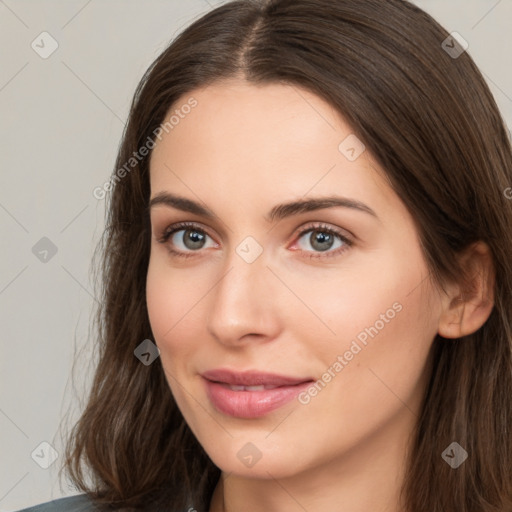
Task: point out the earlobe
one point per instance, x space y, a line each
465 312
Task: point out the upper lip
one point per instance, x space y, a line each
251 378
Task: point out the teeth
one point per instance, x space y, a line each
250 388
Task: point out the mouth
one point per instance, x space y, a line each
251 394
252 378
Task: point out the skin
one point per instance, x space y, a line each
239 152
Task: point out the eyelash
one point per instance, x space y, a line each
168 232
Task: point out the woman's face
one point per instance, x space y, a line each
269 279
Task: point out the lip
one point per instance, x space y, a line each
251 403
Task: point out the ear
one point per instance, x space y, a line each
467 307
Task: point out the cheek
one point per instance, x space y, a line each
160 302
169 302
385 323
176 299
377 295
170 298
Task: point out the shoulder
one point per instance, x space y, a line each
80 503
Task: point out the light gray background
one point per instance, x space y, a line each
60 126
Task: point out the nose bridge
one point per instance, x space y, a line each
241 302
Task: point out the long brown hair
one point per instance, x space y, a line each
430 121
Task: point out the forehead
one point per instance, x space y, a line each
265 119
254 143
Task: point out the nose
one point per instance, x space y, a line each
244 304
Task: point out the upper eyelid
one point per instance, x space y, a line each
223 226
178 226
308 226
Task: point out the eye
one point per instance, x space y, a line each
323 239
188 237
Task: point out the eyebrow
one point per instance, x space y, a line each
279 211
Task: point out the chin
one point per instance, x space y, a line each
255 455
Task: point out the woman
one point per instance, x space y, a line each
306 273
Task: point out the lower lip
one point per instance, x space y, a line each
251 404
